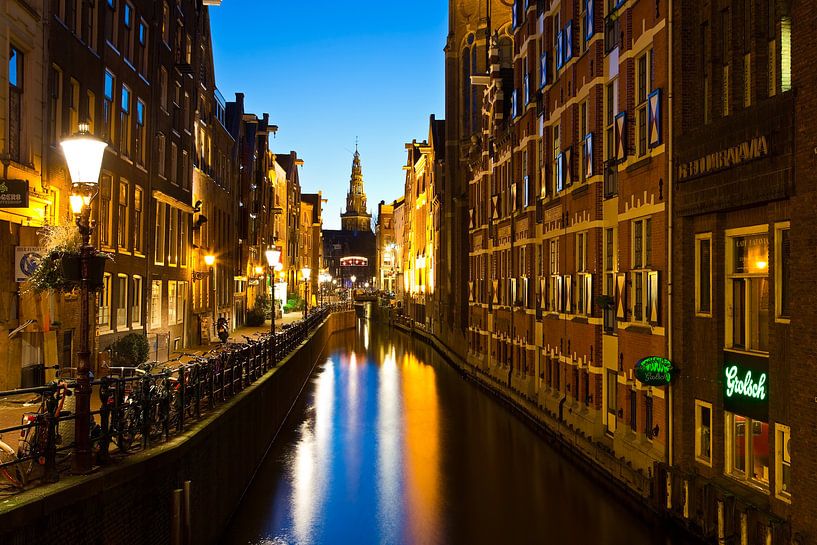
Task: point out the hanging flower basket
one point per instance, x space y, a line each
71 266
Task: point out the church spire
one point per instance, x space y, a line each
356 217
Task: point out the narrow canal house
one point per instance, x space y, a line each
733 305
568 219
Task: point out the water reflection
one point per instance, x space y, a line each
388 445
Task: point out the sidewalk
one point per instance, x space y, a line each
12 408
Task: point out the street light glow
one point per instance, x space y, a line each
273 257
209 259
83 154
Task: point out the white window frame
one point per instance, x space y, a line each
641 276
728 447
699 405
156 312
171 301
584 287
121 301
782 436
754 230
104 304
778 270
698 239
641 105
136 301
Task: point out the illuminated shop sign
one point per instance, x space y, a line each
13 194
746 385
653 371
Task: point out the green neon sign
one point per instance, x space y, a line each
741 383
653 371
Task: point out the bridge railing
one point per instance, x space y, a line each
139 407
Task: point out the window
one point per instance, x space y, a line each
142 48
127 35
174 163
55 109
160 154
785 54
136 301
555 293
124 123
107 106
634 410
747 449
703 274
610 267
182 239
73 106
703 432
181 302
747 291
165 23
137 220
611 97
141 133
557 161
90 111
156 304
643 82
104 227
110 22
163 88
122 216
641 255
171 302
586 168
122 301
173 240
612 400
782 472
104 297
89 28
15 123
581 251
160 233
782 252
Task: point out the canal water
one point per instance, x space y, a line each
389 445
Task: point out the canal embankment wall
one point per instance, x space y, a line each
637 489
131 501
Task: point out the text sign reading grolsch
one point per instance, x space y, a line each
740 382
653 371
746 388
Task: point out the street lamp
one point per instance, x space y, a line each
273 256
83 155
306 272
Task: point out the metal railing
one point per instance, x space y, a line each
145 405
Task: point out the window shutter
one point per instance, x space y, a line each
568 167
620 136
588 19
559 40
567 48
621 296
470 291
512 285
470 218
513 197
495 207
495 289
568 302
654 119
543 69
588 155
542 294
653 297
588 294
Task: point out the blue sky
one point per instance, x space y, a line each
330 71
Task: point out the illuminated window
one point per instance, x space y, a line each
124 123
121 301
703 432
782 471
136 301
747 449
747 290
138 215
104 225
156 304
104 298
122 216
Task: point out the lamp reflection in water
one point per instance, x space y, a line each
389 449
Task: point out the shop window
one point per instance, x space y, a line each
703 432
747 449
782 472
747 292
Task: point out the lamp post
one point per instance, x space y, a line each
273 256
306 272
83 155
210 261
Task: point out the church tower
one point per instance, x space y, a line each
356 217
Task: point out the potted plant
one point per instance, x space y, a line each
60 267
130 350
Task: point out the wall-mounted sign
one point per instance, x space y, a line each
746 385
13 193
744 152
653 371
26 259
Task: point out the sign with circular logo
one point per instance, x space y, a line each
653 371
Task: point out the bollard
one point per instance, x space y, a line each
176 518
187 515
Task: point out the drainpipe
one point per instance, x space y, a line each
669 188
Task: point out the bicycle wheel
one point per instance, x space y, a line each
13 472
126 429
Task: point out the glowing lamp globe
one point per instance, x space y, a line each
83 154
273 256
